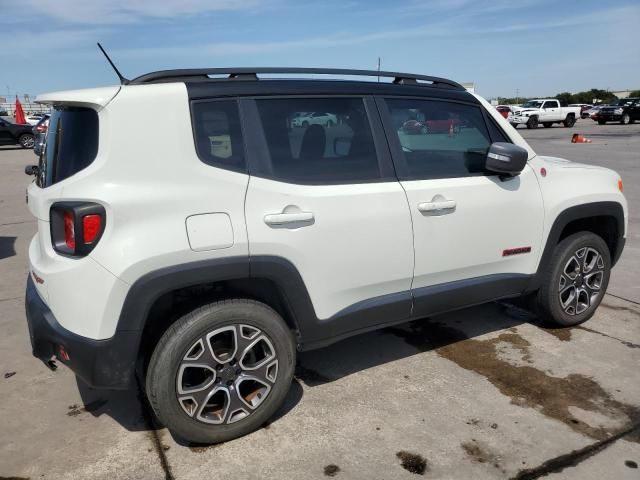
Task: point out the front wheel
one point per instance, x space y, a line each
26 140
514 125
626 119
221 371
575 280
532 123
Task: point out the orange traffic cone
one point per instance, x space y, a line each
579 138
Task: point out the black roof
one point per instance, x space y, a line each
251 73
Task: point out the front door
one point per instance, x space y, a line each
474 233
323 197
550 111
5 135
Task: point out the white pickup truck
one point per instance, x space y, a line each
546 111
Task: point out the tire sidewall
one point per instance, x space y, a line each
163 367
22 140
548 298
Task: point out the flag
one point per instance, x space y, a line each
19 115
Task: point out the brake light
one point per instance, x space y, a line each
69 230
620 185
91 226
76 227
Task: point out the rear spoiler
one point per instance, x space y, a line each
96 98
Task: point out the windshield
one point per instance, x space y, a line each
532 104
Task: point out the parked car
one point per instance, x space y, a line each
205 270
3 112
504 110
40 135
14 134
583 108
34 118
315 118
593 110
624 111
546 111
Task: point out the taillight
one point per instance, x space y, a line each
69 230
76 227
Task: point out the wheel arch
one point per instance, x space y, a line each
605 219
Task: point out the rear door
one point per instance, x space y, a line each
324 198
476 235
5 135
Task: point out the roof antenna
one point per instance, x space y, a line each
123 80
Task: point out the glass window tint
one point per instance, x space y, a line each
319 140
550 104
72 144
218 134
440 139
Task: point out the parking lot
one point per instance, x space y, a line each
486 392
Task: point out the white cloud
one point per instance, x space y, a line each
126 11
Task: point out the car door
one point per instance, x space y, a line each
5 135
326 201
551 111
635 110
476 235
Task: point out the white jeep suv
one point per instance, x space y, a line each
204 258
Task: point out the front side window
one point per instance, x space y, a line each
218 134
319 140
550 104
440 139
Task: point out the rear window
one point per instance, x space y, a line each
72 144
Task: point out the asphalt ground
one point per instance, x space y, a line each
483 393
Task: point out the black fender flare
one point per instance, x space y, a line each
580 212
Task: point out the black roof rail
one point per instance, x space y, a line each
248 73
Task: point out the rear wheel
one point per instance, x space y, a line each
26 140
532 122
575 279
570 121
547 124
601 122
221 371
626 119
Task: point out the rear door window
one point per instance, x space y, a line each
72 144
331 145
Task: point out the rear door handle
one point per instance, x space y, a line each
275 219
437 206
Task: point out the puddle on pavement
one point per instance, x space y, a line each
631 464
524 384
331 470
482 454
412 462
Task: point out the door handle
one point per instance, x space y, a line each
437 205
275 219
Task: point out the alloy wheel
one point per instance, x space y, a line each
226 374
580 282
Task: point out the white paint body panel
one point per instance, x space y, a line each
359 245
467 241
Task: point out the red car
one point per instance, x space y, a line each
504 110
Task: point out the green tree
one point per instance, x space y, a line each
565 97
635 93
594 93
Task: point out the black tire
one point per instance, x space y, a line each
601 122
532 122
179 341
329 123
547 124
305 124
514 125
570 121
626 119
565 257
26 140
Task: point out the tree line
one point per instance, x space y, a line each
579 97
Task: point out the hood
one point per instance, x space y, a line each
564 163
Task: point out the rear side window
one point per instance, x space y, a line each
218 134
72 144
440 139
319 140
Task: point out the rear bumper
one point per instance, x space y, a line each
105 364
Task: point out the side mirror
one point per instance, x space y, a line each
506 158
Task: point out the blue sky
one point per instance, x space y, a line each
539 47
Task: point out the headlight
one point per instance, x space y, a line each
618 111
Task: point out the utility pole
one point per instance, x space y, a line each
378 69
517 95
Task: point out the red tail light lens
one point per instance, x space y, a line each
69 230
91 227
76 227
